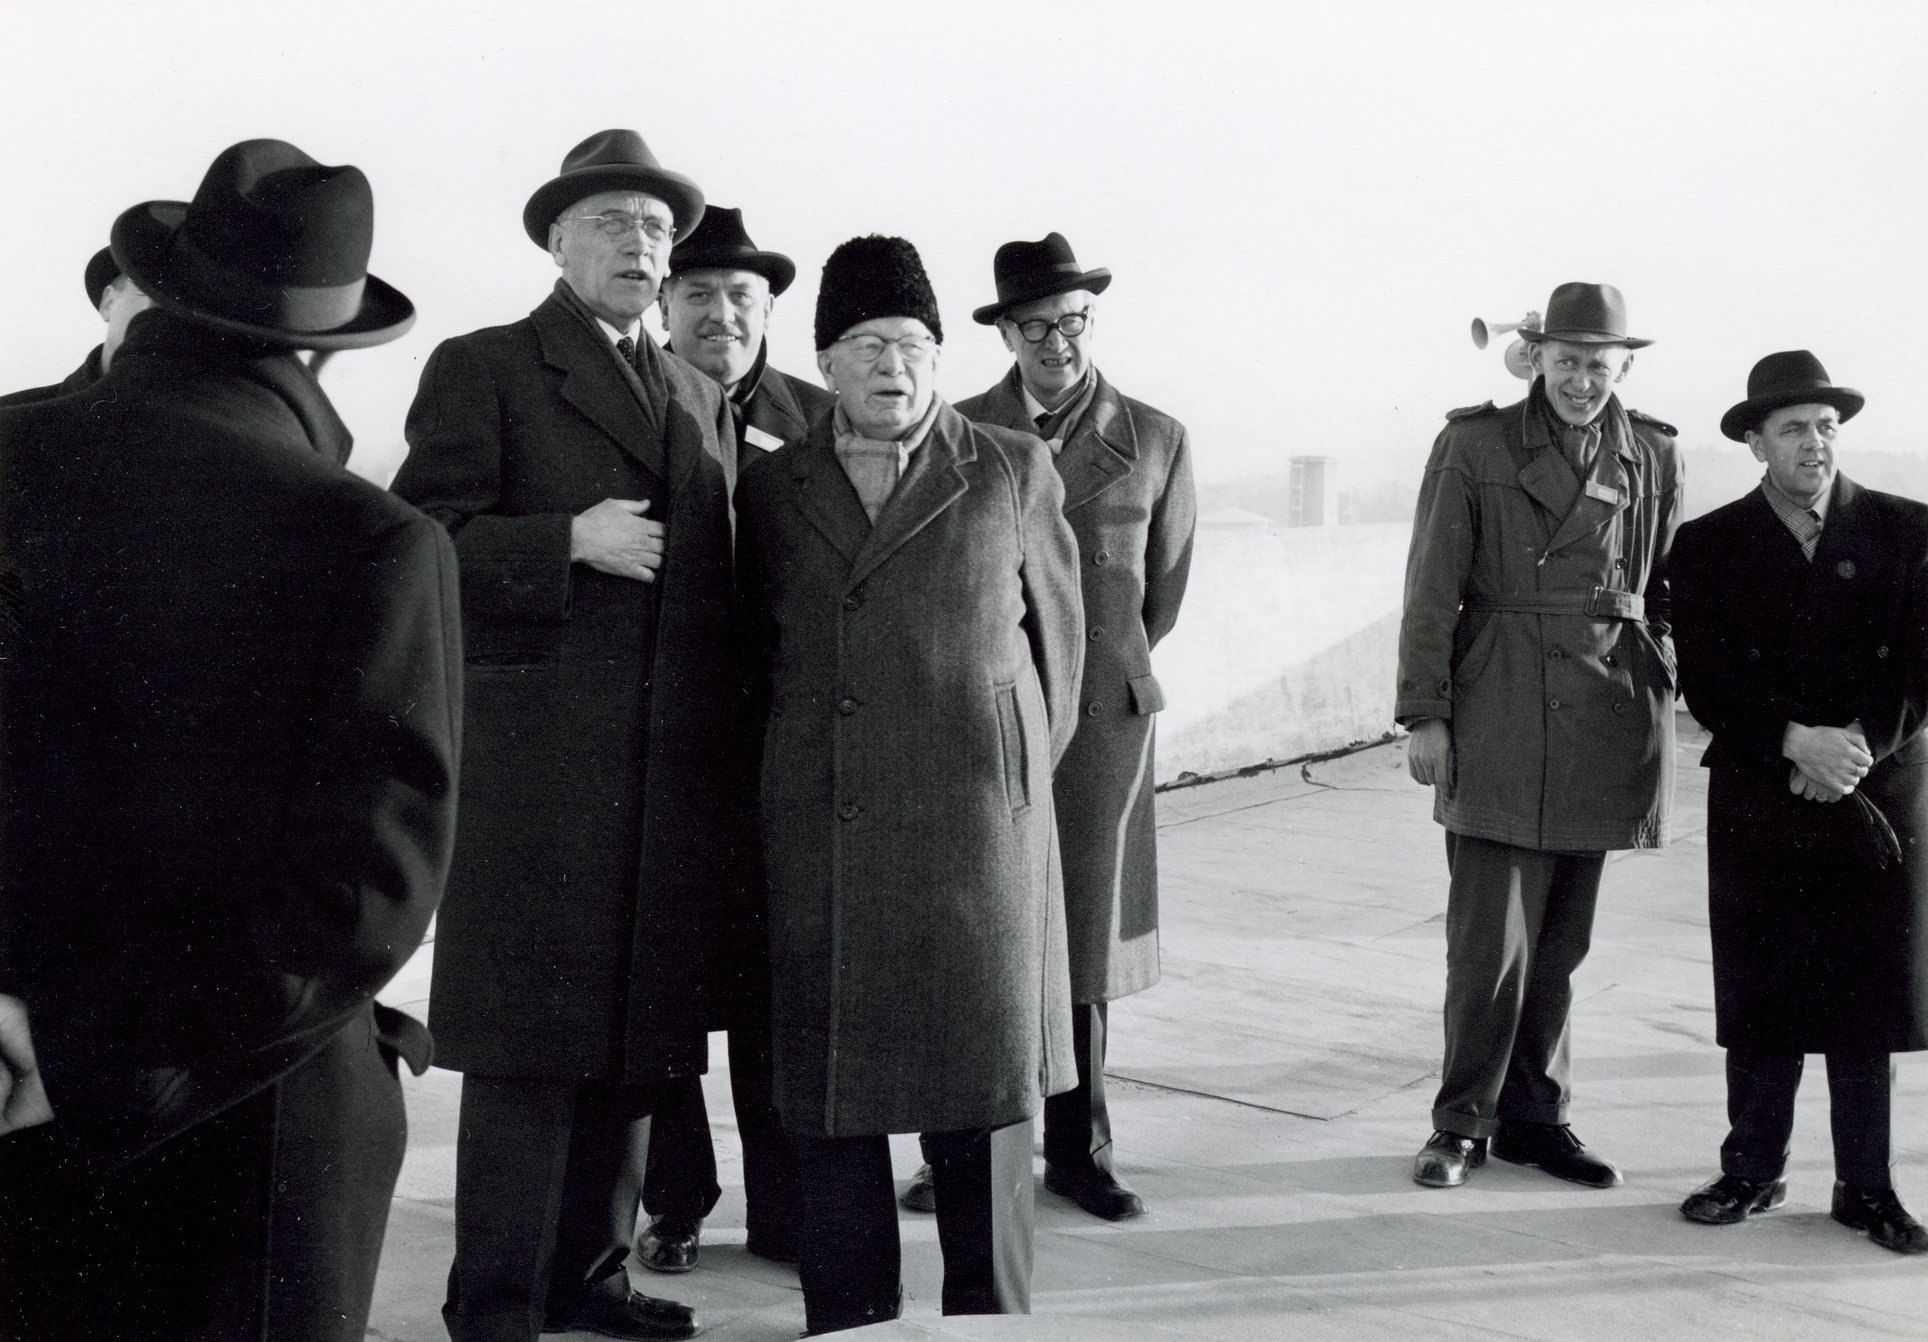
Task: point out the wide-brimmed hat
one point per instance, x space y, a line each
1027 271
719 243
1792 377
101 272
611 160
873 276
1585 314
273 247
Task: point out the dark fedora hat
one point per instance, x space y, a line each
1792 377
101 272
273 247
1027 271
719 243
611 160
1585 314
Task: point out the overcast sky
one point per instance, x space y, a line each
1303 204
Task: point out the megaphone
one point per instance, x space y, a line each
1518 362
1484 331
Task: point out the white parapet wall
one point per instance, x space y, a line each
1286 645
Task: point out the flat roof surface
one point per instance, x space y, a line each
1268 1096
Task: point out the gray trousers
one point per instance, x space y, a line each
1518 923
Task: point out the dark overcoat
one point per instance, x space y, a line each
921 678
780 409
1128 494
1563 724
84 376
1817 947
231 706
606 796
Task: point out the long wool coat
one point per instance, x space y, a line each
1128 495
231 733
921 678
1563 725
606 801
1816 946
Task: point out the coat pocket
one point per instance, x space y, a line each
1147 697
1010 734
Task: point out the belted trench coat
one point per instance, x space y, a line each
1563 724
921 677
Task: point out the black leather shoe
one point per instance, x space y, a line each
921 1196
1099 1192
1553 1147
1880 1213
668 1243
609 1307
1443 1161
1731 1199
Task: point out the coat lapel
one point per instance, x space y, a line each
1843 557
1101 451
597 384
825 496
774 409
931 483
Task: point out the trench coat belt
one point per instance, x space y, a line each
1602 603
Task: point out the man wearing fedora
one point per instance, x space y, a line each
1128 496
1537 681
232 691
911 585
118 301
1801 611
716 306
585 475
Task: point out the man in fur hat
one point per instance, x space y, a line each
585 475
232 691
912 589
1802 614
1536 678
1127 472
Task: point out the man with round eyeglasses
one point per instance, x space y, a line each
585 476
1128 496
910 587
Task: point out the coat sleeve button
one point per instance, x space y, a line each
1096 632
1091 710
849 811
1102 558
847 706
1553 704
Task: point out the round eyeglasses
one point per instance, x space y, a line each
616 224
1071 324
870 348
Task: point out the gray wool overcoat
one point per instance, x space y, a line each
1128 494
921 678
606 827
1563 724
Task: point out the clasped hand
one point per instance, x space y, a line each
614 537
1829 762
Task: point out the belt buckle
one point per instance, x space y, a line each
1593 600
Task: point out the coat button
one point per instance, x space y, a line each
1102 558
1091 709
1619 707
1620 563
1555 654
1096 632
847 706
1608 659
1881 651
849 811
854 600
1446 687
1408 684
1553 703
1753 654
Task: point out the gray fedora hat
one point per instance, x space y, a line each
1585 314
611 160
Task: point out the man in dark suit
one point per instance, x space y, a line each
1127 472
232 692
716 306
1801 614
606 808
118 301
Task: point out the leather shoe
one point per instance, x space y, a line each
1553 1147
1731 1199
609 1307
668 1242
1443 1161
1099 1192
921 1196
1880 1213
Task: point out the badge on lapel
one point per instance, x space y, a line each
756 437
1605 493
1845 569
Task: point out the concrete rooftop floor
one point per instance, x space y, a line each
1268 1096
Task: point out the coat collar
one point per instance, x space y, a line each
1581 507
773 407
930 484
596 382
1096 457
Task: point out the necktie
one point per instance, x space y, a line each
1810 533
1576 442
1044 418
627 348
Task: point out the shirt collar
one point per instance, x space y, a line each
1784 504
633 334
1033 407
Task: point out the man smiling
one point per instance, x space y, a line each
1536 679
585 476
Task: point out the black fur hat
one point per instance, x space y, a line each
873 276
